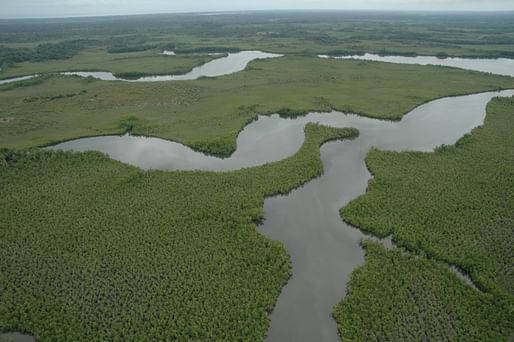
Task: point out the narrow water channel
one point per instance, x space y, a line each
233 62
498 66
324 250
17 79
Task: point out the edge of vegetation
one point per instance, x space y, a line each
452 205
92 248
171 109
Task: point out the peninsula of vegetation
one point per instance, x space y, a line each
103 251
451 207
207 114
92 249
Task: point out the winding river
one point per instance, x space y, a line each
233 62
498 66
17 79
324 250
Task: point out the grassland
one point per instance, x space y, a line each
455 205
338 32
208 113
93 249
146 62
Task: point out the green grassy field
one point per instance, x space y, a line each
455 205
312 32
208 113
93 249
146 62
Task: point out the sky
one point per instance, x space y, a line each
65 8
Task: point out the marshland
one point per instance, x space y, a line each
211 177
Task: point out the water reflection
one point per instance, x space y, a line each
233 62
16 79
272 138
324 250
168 53
499 66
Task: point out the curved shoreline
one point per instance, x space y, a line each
147 77
323 249
234 62
496 66
194 147
290 220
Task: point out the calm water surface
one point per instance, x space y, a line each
233 62
499 66
16 79
324 250
168 53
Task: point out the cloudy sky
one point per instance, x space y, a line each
60 8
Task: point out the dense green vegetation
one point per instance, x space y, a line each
208 113
400 296
41 53
93 249
455 205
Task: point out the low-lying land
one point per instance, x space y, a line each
456 206
400 296
137 63
93 249
31 44
208 113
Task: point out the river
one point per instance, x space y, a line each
229 64
498 66
232 63
235 62
324 250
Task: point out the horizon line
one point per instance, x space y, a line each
229 12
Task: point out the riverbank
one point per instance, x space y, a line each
208 114
103 250
454 206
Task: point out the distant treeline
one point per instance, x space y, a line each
441 55
133 48
487 35
206 49
43 52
